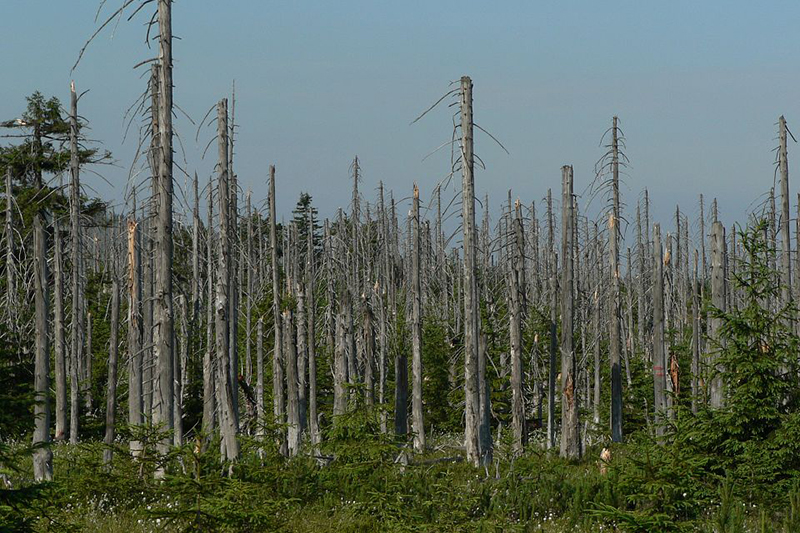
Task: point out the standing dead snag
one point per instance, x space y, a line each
659 356
471 325
58 334
229 444
615 337
786 262
135 333
76 333
277 354
570 424
42 456
163 334
113 351
718 302
417 423
517 290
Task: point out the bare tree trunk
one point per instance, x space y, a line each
417 423
570 424
695 338
58 332
313 416
248 264
260 376
180 367
228 429
292 393
76 335
135 332
163 333
614 338
786 262
277 357
42 456
113 351
718 301
209 360
659 356
517 290
471 324
87 366
340 366
11 279
553 276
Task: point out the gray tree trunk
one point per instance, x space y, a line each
614 337
76 333
277 355
58 334
471 324
163 333
42 455
786 261
718 301
417 422
517 290
570 424
292 393
209 366
659 356
113 351
228 429
135 333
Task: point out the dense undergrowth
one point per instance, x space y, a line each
726 470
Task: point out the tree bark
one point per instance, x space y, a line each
570 424
659 356
42 455
163 333
135 332
417 422
111 388
76 334
58 333
277 357
228 429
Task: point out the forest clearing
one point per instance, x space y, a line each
187 358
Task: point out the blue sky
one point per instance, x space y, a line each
698 87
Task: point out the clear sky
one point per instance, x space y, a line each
698 87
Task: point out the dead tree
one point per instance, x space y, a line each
570 424
718 302
277 354
659 355
210 399
76 333
163 334
42 455
113 351
471 318
517 290
135 333
60 347
313 416
229 445
615 338
417 423
786 262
